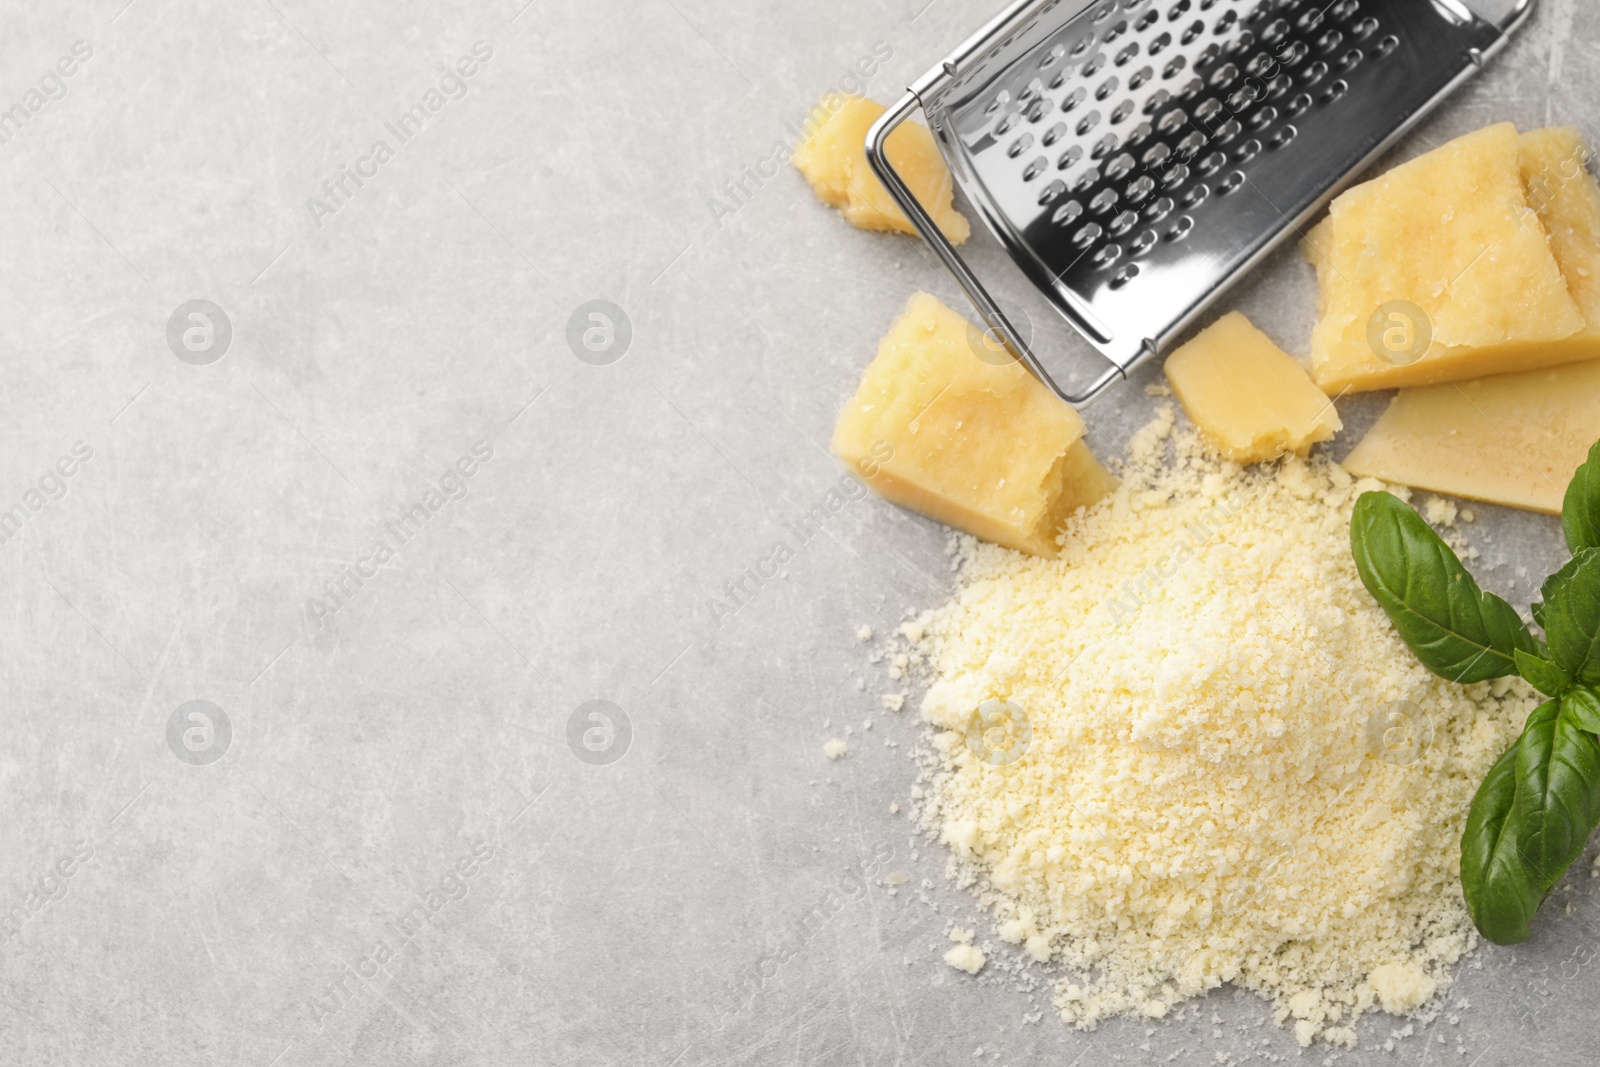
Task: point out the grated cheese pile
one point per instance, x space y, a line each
1236 771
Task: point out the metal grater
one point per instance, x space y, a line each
1137 157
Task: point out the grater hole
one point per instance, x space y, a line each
1174 67
1259 64
1061 78
1293 53
1051 191
1191 89
1243 97
1127 53
1138 135
1180 229
1178 10
1330 40
1115 32
1020 145
1278 86
1284 135
1140 189
1264 118
1350 59
1095 62
1083 45
1107 255
1310 20
1053 134
1138 78
1103 202
1104 147
1345 8
1364 29
1172 121
1123 110
1107 87
1385 46
1104 11
1037 109
1275 32
1074 98
1035 168
1335 91
1298 104
1067 213
1143 243
1087 180
1120 167
1230 183
1212 163
1227 131
1088 122
1160 209
1088 234
1124 222
1241 44
1157 153
1314 73
1003 127
1194 30
1148 19
1069 157
1159 45
1208 110
1248 151
1052 57
1175 176
1196 194
1192 142
1226 22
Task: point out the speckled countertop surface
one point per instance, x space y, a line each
407 747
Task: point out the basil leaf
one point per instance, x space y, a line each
1572 616
1536 609
1580 510
1458 631
1558 792
1542 674
1582 706
1500 897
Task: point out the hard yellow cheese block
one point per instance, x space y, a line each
1452 235
1247 396
1567 201
834 161
946 424
1512 439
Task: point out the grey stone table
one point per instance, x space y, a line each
328 509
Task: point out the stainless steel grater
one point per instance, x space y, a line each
1136 157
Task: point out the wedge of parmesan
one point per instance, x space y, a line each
1248 397
1513 439
947 424
1445 269
834 160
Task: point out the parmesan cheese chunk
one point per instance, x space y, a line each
1249 398
834 161
1513 439
967 958
947 424
1448 246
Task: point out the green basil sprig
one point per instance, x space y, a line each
1456 629
1540 801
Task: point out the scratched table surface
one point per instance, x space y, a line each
420 638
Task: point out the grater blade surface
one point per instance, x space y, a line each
1136 157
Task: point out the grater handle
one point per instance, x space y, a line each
993 316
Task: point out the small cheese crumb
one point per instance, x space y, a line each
966 958
865 633
1440 512
894 807
894 701
835 748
